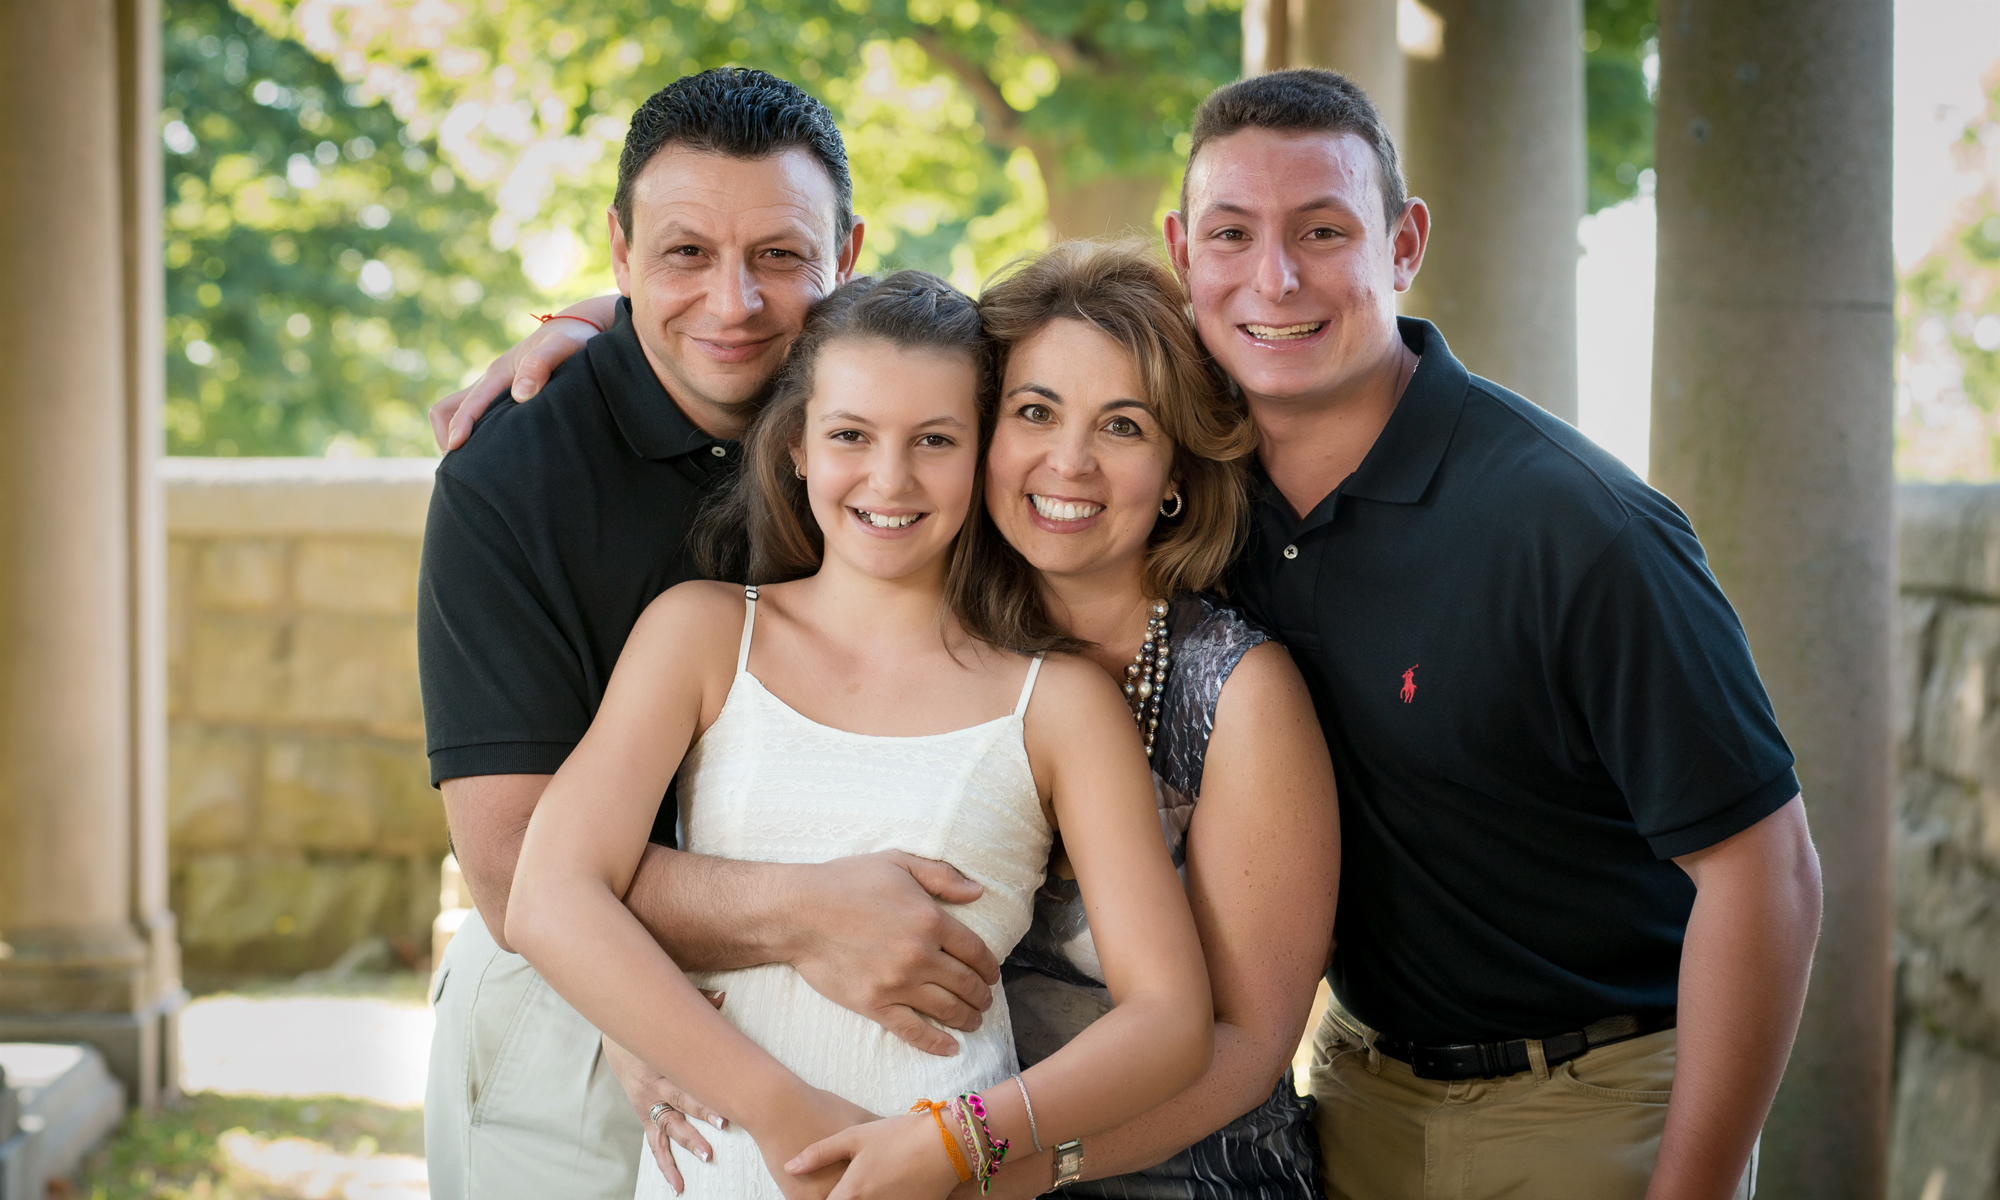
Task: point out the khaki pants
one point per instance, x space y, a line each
520 1103
1588 1129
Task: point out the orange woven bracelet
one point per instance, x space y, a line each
950 1142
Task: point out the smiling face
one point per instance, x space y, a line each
1290 269
890 452
1078 465
724 258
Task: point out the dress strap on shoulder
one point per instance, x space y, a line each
749 620
1028 688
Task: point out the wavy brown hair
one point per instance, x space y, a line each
763 530
1126 291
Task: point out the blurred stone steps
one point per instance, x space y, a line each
57 1102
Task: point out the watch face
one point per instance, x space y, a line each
1069 1163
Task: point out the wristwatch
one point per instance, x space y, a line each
1069 1163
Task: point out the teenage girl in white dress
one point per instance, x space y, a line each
883 689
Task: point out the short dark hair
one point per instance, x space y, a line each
1301 100
740 112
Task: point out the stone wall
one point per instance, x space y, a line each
301 817
1946 1143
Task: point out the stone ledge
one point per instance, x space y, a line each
1948 539
297 497
68 1103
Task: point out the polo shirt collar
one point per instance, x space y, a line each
1400 465
651 422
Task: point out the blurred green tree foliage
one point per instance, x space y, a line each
971 122
325 271
977 128
1948 318
1620 38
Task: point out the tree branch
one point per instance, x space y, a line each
1064 52
1002 122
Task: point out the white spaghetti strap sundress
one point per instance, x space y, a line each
767 784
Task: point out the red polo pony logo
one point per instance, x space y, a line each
1410 684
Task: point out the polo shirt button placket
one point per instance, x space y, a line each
1291 551
718 451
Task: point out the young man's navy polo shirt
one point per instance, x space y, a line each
550 530
1535 695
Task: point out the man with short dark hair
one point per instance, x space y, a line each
548 534
1578 899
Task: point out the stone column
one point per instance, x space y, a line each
84 942
1772 404
1266 44
141 191
1355 37
1495 147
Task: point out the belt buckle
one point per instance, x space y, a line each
1445 1063
1472 1060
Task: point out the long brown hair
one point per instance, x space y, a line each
1125 290
763 528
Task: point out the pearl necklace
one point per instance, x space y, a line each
1146 674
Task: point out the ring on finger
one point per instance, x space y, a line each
653 1114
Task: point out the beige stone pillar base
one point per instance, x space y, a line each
96 985
142 1049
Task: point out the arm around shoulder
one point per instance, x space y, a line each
522 370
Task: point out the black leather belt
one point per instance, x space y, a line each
1495 1060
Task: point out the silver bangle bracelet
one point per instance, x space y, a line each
1034 1135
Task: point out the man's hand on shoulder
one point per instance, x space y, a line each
522 370
874 939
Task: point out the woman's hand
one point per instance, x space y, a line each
892 1159
813 1115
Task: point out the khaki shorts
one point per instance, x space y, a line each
520 1104
1587 1128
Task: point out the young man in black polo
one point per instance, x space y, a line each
549 532
1578 897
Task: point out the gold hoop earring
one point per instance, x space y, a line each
1178 505
797 472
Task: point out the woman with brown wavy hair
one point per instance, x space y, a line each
1116 475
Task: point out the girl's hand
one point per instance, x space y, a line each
807 1118
645 1087
891 1159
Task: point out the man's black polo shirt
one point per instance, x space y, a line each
1535 695
550 530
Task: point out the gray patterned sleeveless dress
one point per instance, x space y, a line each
1055 987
